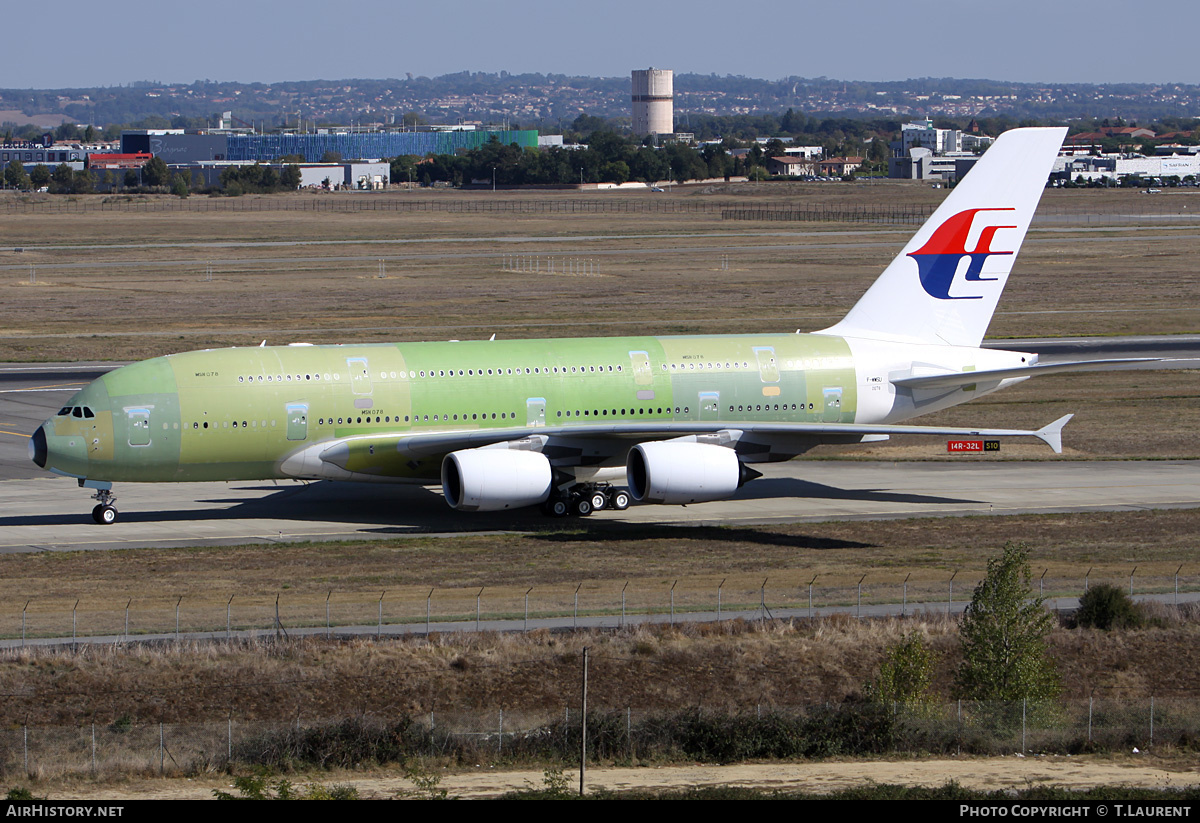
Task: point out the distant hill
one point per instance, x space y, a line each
551 100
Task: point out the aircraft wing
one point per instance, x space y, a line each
379 456
953 380
430 444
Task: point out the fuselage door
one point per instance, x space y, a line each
643 375
768 366
360 375
833 404
297 421
139 426
535 411
710 405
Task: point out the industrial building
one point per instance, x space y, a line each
176 146
653 101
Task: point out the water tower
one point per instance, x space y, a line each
653 101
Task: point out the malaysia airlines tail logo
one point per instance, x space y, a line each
938 260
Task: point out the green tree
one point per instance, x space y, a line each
15 176
40 176
290 177
906 673
62 179
155 172
82 182
1003 635
179 185
331 157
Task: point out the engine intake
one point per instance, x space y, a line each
680 473
486 480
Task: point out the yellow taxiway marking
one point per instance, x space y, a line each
14 434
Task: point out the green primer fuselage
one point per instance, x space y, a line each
236 414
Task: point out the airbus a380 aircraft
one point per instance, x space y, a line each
573 423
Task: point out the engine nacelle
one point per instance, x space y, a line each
488 480
682 472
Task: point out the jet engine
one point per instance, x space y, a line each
683 472
486 480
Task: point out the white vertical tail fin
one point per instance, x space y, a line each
943 287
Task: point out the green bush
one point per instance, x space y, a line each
1106 606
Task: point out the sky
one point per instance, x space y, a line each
1019 40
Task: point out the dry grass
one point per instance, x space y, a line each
733 665
603 557
101 295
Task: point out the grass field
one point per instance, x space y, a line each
127 285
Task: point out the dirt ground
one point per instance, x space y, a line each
1013 772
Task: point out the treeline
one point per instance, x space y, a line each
607 158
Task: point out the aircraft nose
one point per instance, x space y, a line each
37 447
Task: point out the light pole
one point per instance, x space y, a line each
493 178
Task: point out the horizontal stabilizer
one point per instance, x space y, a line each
1052 435
953 380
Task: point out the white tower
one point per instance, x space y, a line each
653 101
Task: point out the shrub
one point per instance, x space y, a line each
1106 606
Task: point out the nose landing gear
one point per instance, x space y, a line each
105 513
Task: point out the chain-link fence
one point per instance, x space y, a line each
615 734
594 604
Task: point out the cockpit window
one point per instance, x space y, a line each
77 411
65 411
87 412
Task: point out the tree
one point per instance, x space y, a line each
40 176
290 177
15 176
179 186
155 172
62 179
331 157
906 673
1003 636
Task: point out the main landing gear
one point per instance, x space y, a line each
105 512
582 500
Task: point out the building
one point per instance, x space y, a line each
838 166
922 164
789 166
176 146
109 161
653 101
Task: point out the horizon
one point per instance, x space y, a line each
1027 42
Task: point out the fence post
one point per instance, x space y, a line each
162 761
328 628
228 610
127 619
575 615
904 602
1024 701
73 609
810 587
428 602
623 588
526 629
93 749
673 602
720 586
477 596
379 627
950 602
